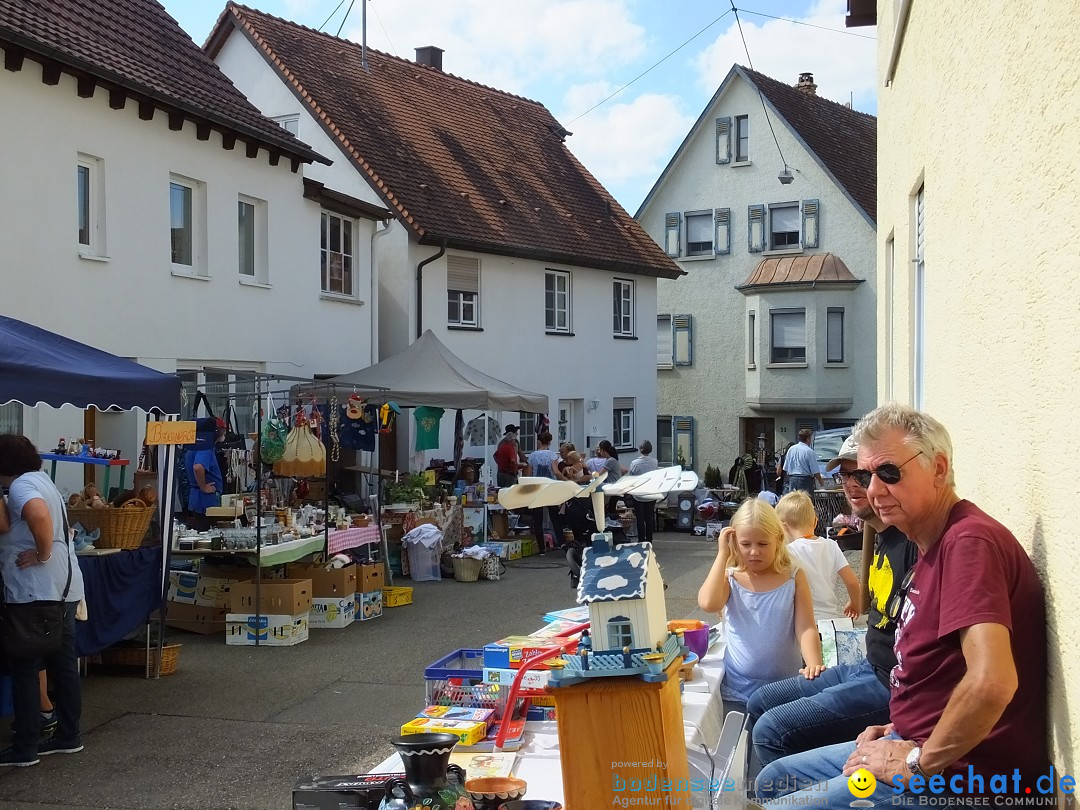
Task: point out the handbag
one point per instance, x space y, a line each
36 629
234 439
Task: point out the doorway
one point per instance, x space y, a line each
571 422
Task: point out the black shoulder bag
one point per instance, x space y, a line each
36 629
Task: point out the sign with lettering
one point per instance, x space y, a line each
170 433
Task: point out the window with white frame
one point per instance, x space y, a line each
90 190
289 123
620 633
784 226
834 335
788 344
462 291
664 345
187 225
336 254
624 308
251 236
526 432
557 301
742 138
751 340
699 233
223 389
665 440
622 422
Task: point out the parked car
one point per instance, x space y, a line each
826 445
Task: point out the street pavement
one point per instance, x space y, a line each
234 727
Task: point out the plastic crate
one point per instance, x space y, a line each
463 663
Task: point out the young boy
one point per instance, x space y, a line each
819 557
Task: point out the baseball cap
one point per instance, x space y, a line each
849 451
511 428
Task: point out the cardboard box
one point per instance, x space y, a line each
500 523
272 631
369 605
182 586
337 583
529 546
196 618
466 731
534 678
396 597
362 792
371 578
278 597
508 549
458 713
332 613
513 651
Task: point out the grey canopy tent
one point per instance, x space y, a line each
428 373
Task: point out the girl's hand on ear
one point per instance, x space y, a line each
726 544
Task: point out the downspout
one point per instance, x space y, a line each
898 39
373 312
420 289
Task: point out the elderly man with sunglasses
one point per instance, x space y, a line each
795 715
968 690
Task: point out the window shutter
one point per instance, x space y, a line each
622 403
755 228
462 274
722 239
683 329
684 440
810 223
723 140
672 233
663 341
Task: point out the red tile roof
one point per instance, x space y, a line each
843 139
459 163
136 46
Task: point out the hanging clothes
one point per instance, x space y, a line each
459 438
358 425
427 427
475 431
543 424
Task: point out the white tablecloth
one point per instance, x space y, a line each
538 759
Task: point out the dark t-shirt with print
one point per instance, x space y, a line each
894 554
977 573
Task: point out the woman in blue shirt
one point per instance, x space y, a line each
38 563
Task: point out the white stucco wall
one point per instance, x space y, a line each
1002 279
132 304
716 387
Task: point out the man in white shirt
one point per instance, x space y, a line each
801 464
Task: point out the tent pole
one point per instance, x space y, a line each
166 452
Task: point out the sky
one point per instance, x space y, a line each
571 55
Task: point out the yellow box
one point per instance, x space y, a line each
396 597
467 732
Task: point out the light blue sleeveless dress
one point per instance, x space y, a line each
761 646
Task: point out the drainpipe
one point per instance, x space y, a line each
420 289
373 311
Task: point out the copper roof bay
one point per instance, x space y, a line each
460 164
805 269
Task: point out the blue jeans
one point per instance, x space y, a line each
63 669
803 482
795 714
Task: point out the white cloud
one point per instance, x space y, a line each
612 583
843 66
516 47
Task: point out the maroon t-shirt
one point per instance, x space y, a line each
977 573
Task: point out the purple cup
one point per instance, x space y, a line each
697 641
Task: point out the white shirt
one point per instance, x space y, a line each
801 460
821 559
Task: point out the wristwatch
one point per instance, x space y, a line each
912 762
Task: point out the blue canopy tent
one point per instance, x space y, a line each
38 367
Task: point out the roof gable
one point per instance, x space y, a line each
135 48
843 141
616 574
461 164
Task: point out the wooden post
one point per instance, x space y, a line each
623 738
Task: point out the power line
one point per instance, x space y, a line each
764 109
809 25
649 69
332 13
343 19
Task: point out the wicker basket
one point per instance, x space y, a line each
121 526
467 569
135 655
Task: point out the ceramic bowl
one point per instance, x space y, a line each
530 804
488 792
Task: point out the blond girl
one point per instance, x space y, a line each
769 616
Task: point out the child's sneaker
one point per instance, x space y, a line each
55 746
9 757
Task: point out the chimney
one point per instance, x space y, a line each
805 83
429 55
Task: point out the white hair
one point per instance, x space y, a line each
924 433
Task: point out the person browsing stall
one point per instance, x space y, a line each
801 464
